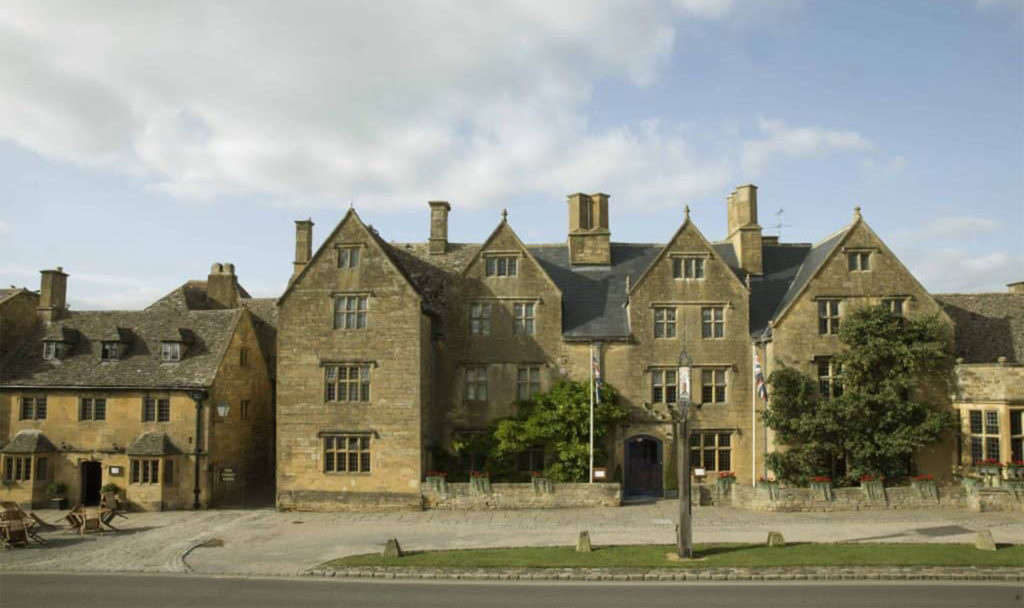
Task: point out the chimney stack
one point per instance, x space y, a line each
53 294
303 245
744 231
439 226
222 285
589 236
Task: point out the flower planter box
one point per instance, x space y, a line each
724 484
438 484
479 485
971 484
926 488
874 490
822 490
769 489
542 485
1015 472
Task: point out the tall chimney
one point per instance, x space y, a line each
589 236
222 285
744 231
53 294
439 226
303 245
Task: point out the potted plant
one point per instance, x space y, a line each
725 481
873 487
769 485
541 484
822 486
479 482
1015 469
438 481
56 490
925 485
989 466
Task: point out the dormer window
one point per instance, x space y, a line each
49 350
859 261
688 267
170 351
110 351
348 256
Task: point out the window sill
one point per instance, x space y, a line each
348 473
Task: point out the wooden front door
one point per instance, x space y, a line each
643 466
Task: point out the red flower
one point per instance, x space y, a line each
864 478
437 474
924 478
479 474
727 475
821 479
537 474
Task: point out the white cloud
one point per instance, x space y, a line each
955 270
962 226
134 298
385 104
5 228
782 141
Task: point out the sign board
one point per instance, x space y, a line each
700 472
684 383
116 471
227 474
600 474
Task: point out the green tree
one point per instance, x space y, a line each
559 421
896 376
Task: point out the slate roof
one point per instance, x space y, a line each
192 295
152 444
430 274
10 292
140 364
988 325
29 441
264 316
594 298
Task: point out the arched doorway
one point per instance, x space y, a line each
643 458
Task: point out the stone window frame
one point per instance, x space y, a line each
156 409
713 443
830 377
501 264
666 319
527 381
664 384
144 471
243 409
712 322
480 314
897 305
830 314
337 448
349 255
714 384
50 350
983 430
475 385
1016 434
859 260
110 350
32 408
690 266
524 318
361 383
92 409
243 356
18 467
350 318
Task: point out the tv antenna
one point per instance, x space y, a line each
778 226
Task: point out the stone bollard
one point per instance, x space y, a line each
983 540
583 544
392 549
775 539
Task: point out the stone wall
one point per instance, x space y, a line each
460 496
331 500
856 499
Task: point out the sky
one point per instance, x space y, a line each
142 142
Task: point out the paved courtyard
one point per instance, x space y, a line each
267 542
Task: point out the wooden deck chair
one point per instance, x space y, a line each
74 519
14 533
46 526
91 522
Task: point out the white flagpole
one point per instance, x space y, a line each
591 414
753 418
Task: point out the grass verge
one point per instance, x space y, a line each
707 556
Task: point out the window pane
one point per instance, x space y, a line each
992 448
724 460
991 421
724 440
1016 422
975 418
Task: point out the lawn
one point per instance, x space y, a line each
708 556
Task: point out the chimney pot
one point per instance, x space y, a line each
303 245
222 285
744 231
589 236
53 289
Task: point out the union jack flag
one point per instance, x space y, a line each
762 389
597 376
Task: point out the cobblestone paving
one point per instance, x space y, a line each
267 542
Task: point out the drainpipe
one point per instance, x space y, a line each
197 395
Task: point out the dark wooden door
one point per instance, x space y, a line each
92 479
643 466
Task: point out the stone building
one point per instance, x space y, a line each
390 352
990 373
173 404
